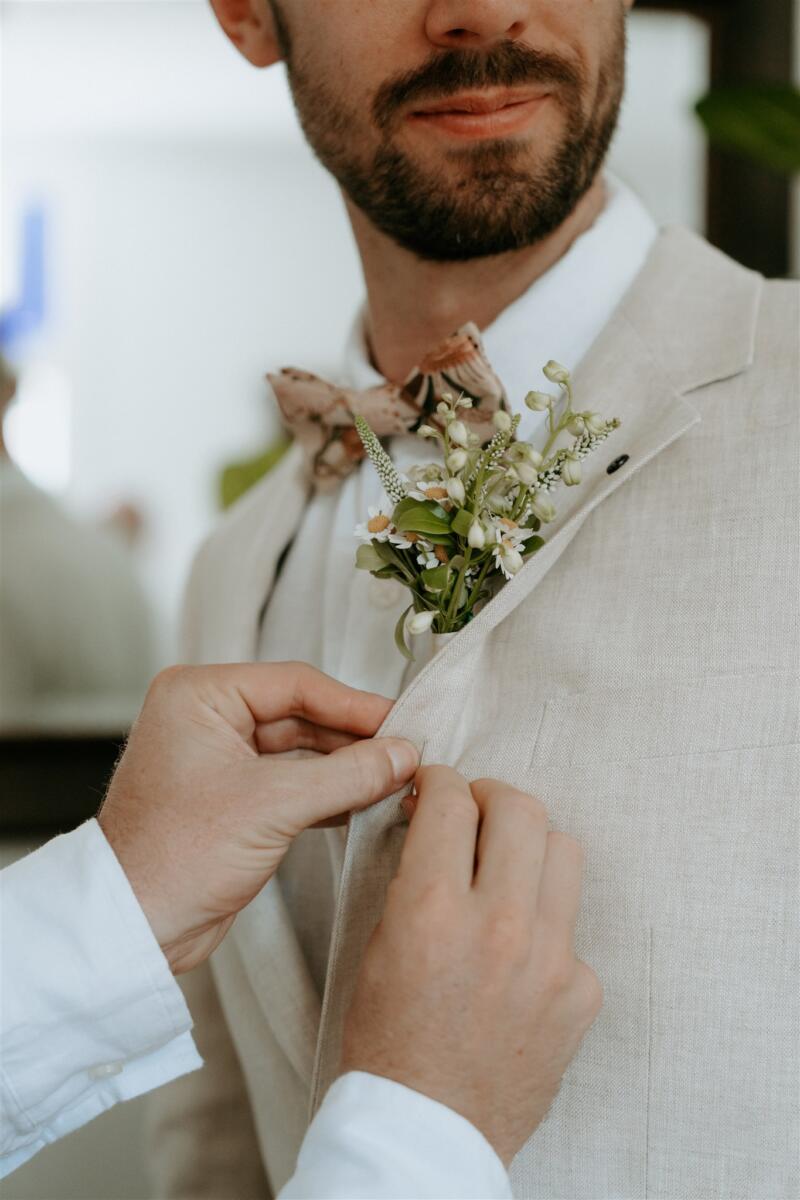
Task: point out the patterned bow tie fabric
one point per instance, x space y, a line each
321 415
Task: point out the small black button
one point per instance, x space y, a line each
617 463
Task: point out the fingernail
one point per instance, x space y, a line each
403 757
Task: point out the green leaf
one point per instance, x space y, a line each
400 635
436 579
759 121
368 558
533 523
423 517
532 545
462 522
390 555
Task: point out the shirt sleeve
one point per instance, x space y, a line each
378 1140
91 1013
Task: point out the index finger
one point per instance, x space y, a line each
440 843
274 691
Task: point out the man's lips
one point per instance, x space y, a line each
481 114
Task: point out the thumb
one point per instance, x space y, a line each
351 778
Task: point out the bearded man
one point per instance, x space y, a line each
639 674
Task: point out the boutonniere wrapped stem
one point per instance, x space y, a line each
455 530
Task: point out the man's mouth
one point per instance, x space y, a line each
488 113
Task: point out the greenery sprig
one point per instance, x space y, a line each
453 531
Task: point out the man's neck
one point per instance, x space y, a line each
413 305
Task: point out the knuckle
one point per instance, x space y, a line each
370 768
494 791
170 677
561 977
590 990
507 932
435 901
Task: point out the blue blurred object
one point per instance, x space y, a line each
27 315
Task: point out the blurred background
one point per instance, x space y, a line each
166 239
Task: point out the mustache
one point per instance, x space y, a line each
449 72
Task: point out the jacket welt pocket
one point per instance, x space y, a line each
665 719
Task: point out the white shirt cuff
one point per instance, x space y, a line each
91 1013
378 1140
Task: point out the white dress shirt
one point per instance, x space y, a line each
92 1015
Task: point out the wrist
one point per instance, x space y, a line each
147 886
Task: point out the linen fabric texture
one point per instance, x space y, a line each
640 676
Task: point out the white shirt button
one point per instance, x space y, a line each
106 1070
385 593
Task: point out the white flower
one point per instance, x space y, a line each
457 432
400 540
576 426
538 401
525 473
502 420
456 461
555 372
464 402
377 529
426 557
497 500
476 536
417 623
508 558
506 530
427 431
530 454
571 470
443 408
542 507
456 490
594 422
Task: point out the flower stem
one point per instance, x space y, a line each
473 596
452 607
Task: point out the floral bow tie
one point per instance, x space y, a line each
321 415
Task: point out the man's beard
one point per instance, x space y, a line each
499 203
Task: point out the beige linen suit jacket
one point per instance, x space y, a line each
640 675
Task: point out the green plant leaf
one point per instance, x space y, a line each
532 523
400 635
391 557
368 558
532 545
759 121
423 517
462 522
436 579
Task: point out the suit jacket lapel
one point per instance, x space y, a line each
235 570
689 320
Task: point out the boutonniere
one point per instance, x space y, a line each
455 530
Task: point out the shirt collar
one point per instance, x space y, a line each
561 313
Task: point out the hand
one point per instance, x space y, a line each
470 991
200 814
